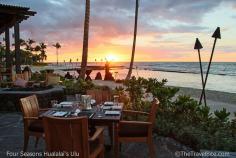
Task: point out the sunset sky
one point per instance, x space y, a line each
167 29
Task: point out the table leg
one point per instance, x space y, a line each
111 133
92 128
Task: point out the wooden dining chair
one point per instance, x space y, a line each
137 131
102 96
72 135
33 126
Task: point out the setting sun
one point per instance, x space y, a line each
111 57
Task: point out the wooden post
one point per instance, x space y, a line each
200 62
215 35
7 55
17 47
198 46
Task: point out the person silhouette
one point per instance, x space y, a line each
68 75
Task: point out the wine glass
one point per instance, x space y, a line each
54 103
99 110
116 100
78 97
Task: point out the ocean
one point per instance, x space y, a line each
219 68
222 75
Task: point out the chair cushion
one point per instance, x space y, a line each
36 126
133 130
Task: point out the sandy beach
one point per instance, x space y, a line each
215 99
216 96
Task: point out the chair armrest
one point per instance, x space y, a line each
132 112
31 118
97 134
135 123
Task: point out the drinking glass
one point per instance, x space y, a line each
116 100
78 97
54 103
86 101
100 110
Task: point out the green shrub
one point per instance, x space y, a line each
38 76
79 86
182 118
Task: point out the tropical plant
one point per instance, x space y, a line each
29 52
29 45
79 86
135 87
134 41
2 52
37 49
57 46
85 40
42 54
182 118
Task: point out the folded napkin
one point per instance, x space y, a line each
66 104
112 107
116 107
112 113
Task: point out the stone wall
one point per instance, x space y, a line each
10 100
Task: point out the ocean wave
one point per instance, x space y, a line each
185 71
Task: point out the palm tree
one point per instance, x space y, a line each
134 41
29 48
42 54
77 61
37 56
27 51
57 46
85 41
29 44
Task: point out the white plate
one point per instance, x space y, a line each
109 103
106 107
59 113
66 103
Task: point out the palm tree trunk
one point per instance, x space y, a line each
85 41
134 41
57 56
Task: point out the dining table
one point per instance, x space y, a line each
106 113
